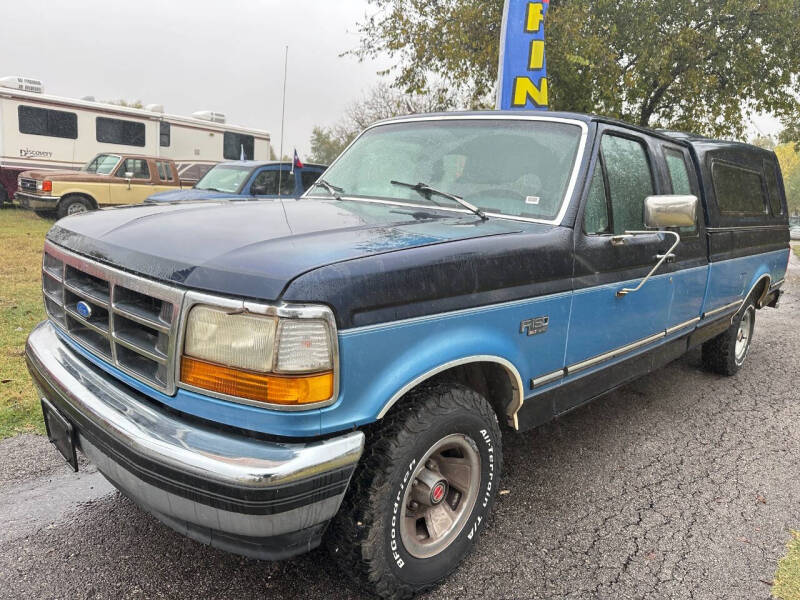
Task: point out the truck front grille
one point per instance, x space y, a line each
29 185
128 321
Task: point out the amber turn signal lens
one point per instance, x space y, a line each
47 185
262 387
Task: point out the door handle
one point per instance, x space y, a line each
661 259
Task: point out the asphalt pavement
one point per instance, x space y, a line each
681 485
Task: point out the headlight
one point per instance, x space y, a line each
257 357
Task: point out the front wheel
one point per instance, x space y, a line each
73 205
725 353
421 497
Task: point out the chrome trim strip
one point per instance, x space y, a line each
163 328
281 310
514 376
613 353
711 313
548 378
744 228
565 201
679 326
85 295
159 358
96 328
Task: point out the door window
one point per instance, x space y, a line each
308 177
628 182
137 166
266 183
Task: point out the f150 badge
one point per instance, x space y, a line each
534 325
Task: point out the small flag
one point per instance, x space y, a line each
297 162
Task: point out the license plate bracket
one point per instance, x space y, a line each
61 433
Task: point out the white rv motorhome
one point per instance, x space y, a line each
39 131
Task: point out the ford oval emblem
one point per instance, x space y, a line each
84 309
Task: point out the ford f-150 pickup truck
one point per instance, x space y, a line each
265 376
106 180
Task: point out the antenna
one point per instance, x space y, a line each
283 115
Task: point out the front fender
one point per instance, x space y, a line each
379 364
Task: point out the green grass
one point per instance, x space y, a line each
786 585
21 240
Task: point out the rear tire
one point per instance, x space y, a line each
725 354
73 205
423 492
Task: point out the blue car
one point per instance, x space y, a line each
245 179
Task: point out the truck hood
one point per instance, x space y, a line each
63 175
187 195
255 248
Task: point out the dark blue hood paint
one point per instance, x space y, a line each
186 195
255 248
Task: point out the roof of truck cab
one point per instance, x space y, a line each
265 163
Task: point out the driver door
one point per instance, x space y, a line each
133 189
605 326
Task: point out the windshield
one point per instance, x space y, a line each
519 168
224 178
102 164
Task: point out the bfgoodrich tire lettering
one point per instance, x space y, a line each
365 537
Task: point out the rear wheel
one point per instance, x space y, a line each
725 354
73 205
422 494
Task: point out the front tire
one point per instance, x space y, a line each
73 205
725 354
421 497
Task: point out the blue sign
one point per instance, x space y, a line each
522 76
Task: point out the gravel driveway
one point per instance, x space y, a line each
680 485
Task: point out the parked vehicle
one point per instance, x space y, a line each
794 227
106 180
261 375
39 131
247 179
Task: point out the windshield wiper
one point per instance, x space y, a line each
426 190
333 190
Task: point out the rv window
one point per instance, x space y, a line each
117 131
164 171
738 190
53 123
164 134
233 143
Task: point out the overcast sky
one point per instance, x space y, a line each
193 55
222 55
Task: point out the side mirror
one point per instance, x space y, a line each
670 211
128 175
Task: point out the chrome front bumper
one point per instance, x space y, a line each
263 499
35 202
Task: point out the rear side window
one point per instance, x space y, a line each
738 190
308 177
628 181
234 144
117 131
164 170
52 123
678 172
775 203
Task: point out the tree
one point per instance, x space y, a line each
789 159
699 65
126 103
382 102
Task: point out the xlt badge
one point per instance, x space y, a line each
534 325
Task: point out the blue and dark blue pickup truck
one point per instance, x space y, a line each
247 179
266 376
